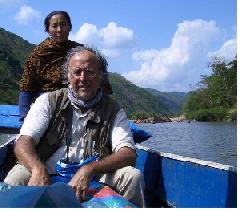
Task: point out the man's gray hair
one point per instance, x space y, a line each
100 57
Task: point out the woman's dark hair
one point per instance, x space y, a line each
46 21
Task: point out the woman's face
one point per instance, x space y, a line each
59 28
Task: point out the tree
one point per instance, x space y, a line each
224 80
217 93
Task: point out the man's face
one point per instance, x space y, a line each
84 75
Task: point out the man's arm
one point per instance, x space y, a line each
124 157
80 182
27 156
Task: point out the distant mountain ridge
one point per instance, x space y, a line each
14 51
173 101
133 98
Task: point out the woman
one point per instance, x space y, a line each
43 69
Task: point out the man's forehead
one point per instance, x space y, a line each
85 54
83 57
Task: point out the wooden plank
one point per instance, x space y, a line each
9 110
10 122
9 119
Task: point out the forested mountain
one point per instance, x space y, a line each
13 52
173 101
137 101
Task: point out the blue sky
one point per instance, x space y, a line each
160 44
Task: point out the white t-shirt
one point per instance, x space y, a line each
37 121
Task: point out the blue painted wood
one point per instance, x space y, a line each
12 110
10 122
186 184
192 185
9 117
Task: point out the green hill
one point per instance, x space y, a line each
137 101
134 99
13 53
173 101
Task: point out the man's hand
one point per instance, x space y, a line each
81 181
39 177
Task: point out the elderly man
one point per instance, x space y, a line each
74 124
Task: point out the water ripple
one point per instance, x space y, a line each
212 141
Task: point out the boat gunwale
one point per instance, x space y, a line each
189 159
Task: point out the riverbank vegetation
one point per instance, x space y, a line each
216 96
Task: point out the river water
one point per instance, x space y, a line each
213 141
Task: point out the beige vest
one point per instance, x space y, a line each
99 124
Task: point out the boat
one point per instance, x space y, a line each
170 180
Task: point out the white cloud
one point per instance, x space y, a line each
228 50
111 39
181 64
146 55
87 34
117 37
27 14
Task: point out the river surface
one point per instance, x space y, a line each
213 141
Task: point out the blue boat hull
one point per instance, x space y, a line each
170 180
183 182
